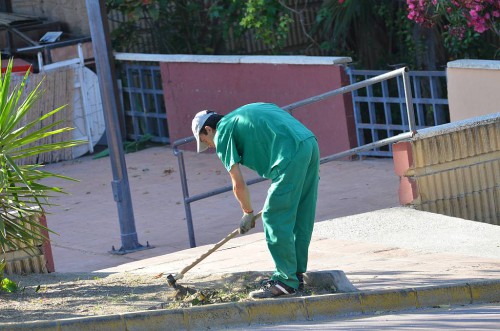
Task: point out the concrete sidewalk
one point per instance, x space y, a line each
87 219
385 249
397 257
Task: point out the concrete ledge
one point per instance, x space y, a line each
474 64
457 126
387 300
154 320
39 326
276 311
331 305
484 292
249 59
111 323
215 316
432 296
279 310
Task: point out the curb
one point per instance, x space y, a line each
283 310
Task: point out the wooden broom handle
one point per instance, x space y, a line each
216 246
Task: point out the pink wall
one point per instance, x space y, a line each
190 87
46 246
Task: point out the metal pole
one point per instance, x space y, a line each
221 190
409 102
185 194
346 89
367 147
184 185
99 32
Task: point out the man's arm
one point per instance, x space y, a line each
240 189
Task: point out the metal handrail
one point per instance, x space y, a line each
345 89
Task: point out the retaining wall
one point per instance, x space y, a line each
453 169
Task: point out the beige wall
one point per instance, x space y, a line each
72 13
473 88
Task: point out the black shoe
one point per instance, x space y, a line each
300 277
272 289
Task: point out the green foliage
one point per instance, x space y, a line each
460 47
6 285
372 32
377 34
198 27
22 196
183 27
268 20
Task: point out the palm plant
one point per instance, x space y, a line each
22 197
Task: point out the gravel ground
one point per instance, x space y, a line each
68 295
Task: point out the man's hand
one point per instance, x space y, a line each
247 222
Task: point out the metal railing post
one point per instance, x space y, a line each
185 191
409 102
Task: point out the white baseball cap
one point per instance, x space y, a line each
198 123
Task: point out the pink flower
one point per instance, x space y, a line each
479 15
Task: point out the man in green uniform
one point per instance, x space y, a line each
270 141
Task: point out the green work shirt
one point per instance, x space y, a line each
260 136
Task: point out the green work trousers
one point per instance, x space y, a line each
289 211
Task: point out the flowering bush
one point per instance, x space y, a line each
462 20
479 15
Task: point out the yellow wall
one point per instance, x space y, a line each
453 169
